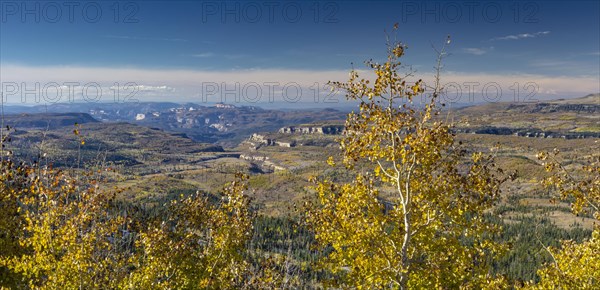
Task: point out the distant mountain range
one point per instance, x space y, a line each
228 125
221 123
46 120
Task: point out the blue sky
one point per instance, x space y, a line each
170 50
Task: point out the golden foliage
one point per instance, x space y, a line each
575 266
67 237
200 245
59 232
428 230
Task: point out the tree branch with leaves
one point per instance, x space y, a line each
414 215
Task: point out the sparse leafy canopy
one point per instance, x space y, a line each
67 236
575 266
58 232
200 245
414 215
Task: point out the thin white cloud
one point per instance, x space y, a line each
521 36
225 56
148 88
234 56
545 63
145 38
203 55
474 51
